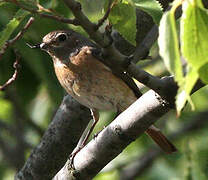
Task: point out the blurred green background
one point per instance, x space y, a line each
28 105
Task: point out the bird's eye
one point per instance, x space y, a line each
62 37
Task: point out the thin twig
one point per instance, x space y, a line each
54 17
14 76
144 47
103 19
17 37
20 34
16 63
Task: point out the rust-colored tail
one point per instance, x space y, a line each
161 140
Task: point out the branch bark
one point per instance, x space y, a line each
57 143
143 163
110 142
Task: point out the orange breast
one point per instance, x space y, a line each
93 84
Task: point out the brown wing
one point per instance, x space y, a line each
96 52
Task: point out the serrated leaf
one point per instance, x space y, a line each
123 19
11 26
152 7
169 46
194 33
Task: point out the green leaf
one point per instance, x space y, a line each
194 46
185 90
169 46
203 73
194 33
11 26
152 7
123 19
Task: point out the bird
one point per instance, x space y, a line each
89 81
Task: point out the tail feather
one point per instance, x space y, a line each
161 140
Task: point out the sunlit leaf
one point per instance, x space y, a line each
203 73
11 26
123 19
152 7
169 46
185 90
194 33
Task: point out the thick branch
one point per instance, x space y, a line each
57 143
143 48
110 142
140 165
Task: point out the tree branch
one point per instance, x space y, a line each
103 19
17 37
143 48
14 76
49 16
112 57
57 143
16 63
140 165
110 142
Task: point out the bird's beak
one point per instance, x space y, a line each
42 46
34 46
